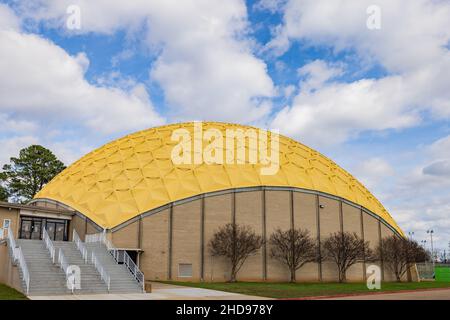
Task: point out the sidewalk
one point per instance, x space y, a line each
160 291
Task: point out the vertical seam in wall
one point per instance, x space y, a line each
380 243
291 208
341 216
140 233
202 239
364 239
319 264
233 207
264 255
169 256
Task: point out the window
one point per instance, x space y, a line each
6 223
185 270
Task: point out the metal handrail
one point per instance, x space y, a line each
101 270
64 266
17 256
96 237
48 244
120 256
80 246
23 267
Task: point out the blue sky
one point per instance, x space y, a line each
374 100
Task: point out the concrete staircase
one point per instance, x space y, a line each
91 283
47 278
121 279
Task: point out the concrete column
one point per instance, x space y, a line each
381 259
264 247
169 255
362 236
202 239
319 265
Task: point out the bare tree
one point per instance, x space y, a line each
294 248
345 249
236 243
399 254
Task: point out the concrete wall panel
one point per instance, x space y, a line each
154 258
249 212
218 211
278 216
329 223
305 217
186 239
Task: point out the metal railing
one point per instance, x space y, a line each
80 246
101 270
120 256
48 244
96 237
17 256
65 266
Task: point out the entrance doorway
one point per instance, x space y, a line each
31 228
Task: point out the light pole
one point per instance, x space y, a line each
430 232
424 243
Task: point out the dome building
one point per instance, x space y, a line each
164 214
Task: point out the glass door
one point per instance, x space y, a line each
31 228
60 231
36 229
25 229
50 227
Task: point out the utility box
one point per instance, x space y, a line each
148 287
442 274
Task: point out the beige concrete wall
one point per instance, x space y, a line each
371 234
13 215
278 216
352 223
186 236
154 258
388 274
90 227
186 239
217 213
127 237
329 223
9 274
78 224
249 212
305 217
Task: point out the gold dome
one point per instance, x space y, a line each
135 174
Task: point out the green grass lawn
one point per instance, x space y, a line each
299 290
8 293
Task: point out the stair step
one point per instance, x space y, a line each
47 277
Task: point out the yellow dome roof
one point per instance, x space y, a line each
135 174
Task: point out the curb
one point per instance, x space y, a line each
365 294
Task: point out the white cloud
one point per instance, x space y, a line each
417 197
374 170
411 46
40 80
412 34
205 67
8 20
317 73
440 149
328 112
11 147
